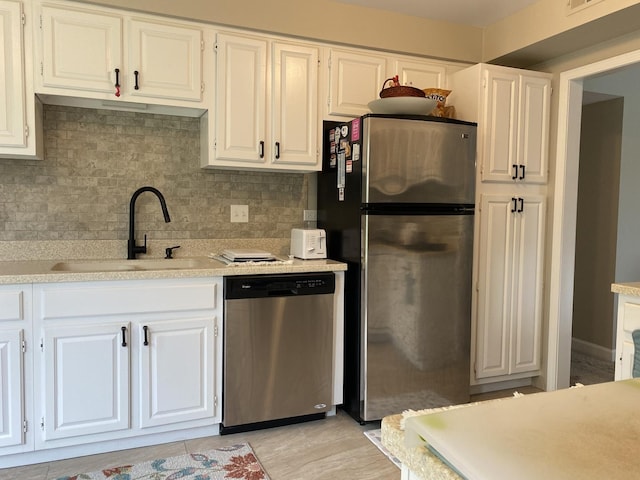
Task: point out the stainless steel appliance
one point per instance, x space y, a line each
278 349
396 198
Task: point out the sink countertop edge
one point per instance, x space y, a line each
40 271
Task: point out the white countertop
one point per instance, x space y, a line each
631 288
42 271
588 433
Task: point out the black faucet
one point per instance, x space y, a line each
132 248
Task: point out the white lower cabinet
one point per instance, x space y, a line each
86 373
628 321
176 371
509 285
15 369
125 358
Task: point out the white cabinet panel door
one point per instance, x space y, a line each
294 105
533 135
241 99
500 126
176 371
11 387
81 50
86 379
509 318
12 94
420 74
355 80
167 59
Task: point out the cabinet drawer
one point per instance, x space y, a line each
116 298
11 305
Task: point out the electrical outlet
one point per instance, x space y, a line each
310 216
239 213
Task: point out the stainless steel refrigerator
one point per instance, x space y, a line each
396 198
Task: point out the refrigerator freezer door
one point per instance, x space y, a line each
416 306
418 161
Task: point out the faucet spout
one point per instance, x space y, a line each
132 248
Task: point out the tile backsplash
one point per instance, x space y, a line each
95 160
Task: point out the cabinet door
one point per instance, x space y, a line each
294 105
493 329
168 59
176 371
12 95
355 80
500 125
11 387
241 99
533 125
509 315
420 74
81 50
527 284
86 379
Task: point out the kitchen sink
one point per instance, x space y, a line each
133 265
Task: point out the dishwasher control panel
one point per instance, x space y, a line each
280 285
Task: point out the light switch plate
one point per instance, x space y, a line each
239 213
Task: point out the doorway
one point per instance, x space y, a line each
593 327
563 245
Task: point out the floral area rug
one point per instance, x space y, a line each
233 462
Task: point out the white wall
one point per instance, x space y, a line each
625 83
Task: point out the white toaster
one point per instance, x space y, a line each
308 243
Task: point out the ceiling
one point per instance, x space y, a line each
478 13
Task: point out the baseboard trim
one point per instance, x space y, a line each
593 350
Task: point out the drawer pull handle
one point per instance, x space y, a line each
277 150
515 172
522 172
124 336
135 74
146 340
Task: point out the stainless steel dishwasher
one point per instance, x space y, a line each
278 349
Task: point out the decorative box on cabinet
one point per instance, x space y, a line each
511 107
99 53
509 285
266 105
20 111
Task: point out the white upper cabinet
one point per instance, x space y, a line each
356 78
12 95
100 53
20 113
266 104
81 50
167 59
511 107
420 74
